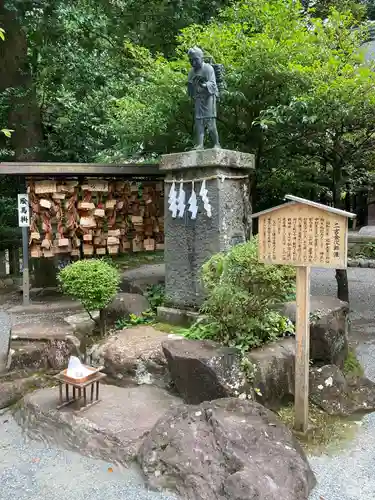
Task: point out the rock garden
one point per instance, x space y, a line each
196 407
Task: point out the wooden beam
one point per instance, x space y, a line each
86 169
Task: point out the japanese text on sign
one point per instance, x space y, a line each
302 235
23 210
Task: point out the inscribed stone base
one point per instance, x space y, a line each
189 243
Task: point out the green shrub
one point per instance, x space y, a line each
92 282
364 250
155 294
241 295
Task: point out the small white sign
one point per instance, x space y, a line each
23 210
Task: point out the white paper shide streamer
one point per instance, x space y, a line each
206 203
172 200
181 201
193 203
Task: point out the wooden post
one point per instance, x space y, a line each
301 399
25 267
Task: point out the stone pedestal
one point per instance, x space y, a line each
189 243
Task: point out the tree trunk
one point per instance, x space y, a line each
23 111
15 78
102 322
14 261
342 285
341 274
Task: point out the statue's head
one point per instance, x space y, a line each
196 57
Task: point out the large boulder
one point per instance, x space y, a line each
37 355
341 395
12 391
274 372
328 329
83 324
225 449
125 304
133 355
140 279
202 370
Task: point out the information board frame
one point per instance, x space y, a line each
303 234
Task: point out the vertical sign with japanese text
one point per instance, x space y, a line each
23 210
303 234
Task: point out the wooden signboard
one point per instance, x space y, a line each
303 234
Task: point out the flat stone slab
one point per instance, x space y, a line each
112 430
47 306
214 157
178 317
43 330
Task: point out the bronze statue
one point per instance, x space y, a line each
203 89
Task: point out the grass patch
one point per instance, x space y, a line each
165 327
352 366
328 433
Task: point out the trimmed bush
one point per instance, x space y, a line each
92 282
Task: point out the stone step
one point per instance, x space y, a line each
49 306
43 330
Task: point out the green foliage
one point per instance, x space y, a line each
366 250
322 8
146 318
298 95
352 366
83 56
155 294
241 298
92 282
267 284
6 131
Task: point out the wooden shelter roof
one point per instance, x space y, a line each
295 199
77 169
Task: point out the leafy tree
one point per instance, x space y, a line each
81 57
322 8
299 96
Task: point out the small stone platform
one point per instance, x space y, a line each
111 430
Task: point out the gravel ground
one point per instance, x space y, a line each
348 474
32 471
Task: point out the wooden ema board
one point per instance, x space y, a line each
302 235
86 217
